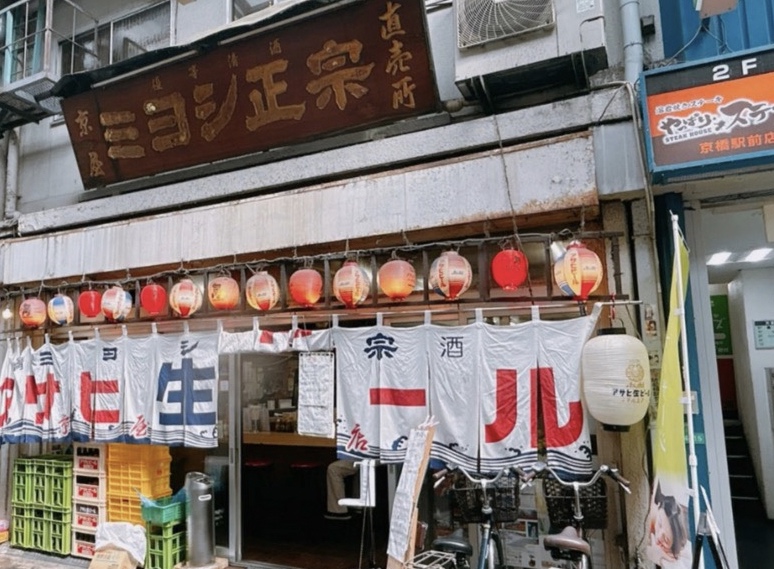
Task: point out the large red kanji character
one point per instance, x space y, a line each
48 389
505 407
8 384
91 387
557 436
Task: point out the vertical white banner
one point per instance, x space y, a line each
454 392
51 367
138 389
185 409
315 394
106 389
401 396
507 358
560 344
358 352
84 355
14 383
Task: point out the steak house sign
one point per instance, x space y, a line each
358 65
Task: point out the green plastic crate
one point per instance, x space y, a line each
166 545
22 488
41 535
21 531
163 511
60 537
60 491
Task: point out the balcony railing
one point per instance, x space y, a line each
31 33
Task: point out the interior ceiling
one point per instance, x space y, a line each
738 229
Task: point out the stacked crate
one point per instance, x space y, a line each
134 470
165 529
41 503
89 495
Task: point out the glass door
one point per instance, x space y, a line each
220 462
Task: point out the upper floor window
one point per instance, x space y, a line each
118 39
242 8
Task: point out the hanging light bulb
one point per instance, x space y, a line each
7 312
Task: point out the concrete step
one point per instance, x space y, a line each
743 486
736 445
740 464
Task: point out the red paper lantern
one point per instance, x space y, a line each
397 279
509 269
32 312
351 284
116 304
90 303
185 298
450 275
262 291
578 273
223 293
153 298
305 287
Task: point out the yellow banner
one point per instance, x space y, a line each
668 517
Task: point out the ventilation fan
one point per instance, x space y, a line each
481 21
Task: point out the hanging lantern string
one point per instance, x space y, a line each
407 248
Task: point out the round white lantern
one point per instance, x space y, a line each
185 298
61 309
450 275
116 304
351 284
615 376
262 291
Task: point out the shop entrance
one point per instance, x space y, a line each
277 481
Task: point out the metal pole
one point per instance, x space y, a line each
677 237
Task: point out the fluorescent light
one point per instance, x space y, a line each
757 255
719 258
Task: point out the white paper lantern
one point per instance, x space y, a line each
262 291
450 275
351 284
61 309
615 375
185 298
116 304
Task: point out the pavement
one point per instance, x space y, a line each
11 558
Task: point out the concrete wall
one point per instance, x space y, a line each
749 299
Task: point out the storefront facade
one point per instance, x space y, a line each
508 152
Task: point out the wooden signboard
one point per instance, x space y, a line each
354 66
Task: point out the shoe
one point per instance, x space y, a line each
336 516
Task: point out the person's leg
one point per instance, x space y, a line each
337 472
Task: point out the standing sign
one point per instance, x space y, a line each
707 117
356 65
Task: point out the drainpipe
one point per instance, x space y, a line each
11 175
3 168
632 40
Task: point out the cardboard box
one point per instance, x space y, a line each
112 559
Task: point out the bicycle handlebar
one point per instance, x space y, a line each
613 473
483 479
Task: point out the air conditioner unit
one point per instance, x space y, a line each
528 49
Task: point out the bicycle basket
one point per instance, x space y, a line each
560 501
467 500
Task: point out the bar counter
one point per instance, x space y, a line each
285 439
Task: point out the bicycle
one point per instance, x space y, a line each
571 544
490 554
